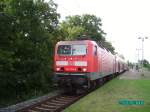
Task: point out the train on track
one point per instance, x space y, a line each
83 64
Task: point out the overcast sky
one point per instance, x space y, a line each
123 21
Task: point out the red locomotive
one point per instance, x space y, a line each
83 64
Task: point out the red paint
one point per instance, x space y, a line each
102 61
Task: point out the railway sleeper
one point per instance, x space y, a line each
49 106
55 101
51 103
64 99
44 109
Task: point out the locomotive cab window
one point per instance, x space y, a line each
95 50
64 49
79 50
72 50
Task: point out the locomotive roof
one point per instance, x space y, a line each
82 42
120 59
75 42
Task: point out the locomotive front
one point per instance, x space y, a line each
71 64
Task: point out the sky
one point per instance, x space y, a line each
123 21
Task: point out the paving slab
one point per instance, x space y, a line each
135 74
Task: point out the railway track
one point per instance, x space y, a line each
54 104
57 103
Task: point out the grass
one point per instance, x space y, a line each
106 98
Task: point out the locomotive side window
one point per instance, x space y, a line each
95 50
64 49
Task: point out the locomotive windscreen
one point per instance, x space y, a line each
72 49
64 49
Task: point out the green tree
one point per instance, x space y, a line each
27 30
146 63
90 25
70 32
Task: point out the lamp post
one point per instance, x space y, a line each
142 38
138 53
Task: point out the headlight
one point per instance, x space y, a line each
80 63
84 69
62 63
57 69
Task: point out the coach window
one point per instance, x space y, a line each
95 50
